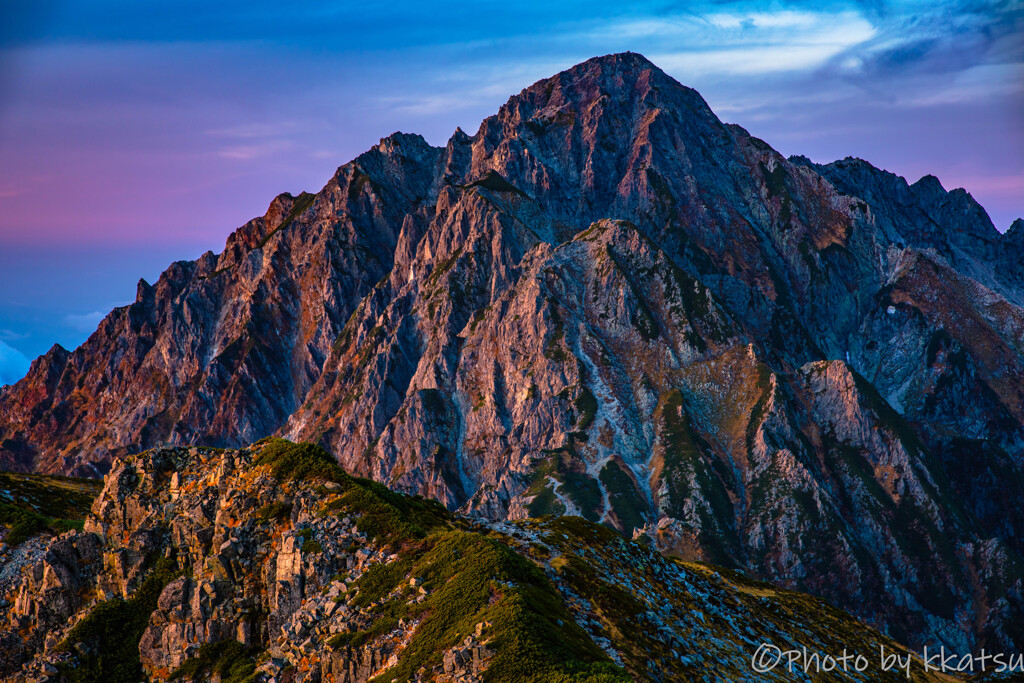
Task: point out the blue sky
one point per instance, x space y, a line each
134 134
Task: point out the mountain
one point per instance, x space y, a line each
271 563
608 303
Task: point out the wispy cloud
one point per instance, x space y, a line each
85 322
450 98
741 44
258 140
258 130
943 38
11 335
254 151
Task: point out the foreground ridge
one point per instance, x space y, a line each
271 563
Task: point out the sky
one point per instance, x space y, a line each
134 134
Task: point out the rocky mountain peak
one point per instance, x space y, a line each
142 290
617 62
398 142
1015 234
929 186
278 209
53 360
1011 248
627 78
607 303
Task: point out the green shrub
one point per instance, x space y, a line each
387 516
229 659
546 503
113 629
586 405
472 578
643 320
50 496
626 501
340 640
299 461
380 579
495 182
274 511
567 467
553 348
22 524
384 624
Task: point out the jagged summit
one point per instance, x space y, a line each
614 70
617 61
1015 233
606 302
929 185
625 76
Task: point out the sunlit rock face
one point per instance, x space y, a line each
608 303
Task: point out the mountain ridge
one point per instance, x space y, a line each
608 302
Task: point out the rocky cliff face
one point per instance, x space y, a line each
271 564
221 350
607 302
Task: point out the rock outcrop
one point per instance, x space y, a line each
271 564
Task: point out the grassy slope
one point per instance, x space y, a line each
472 579
33 503
476 574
